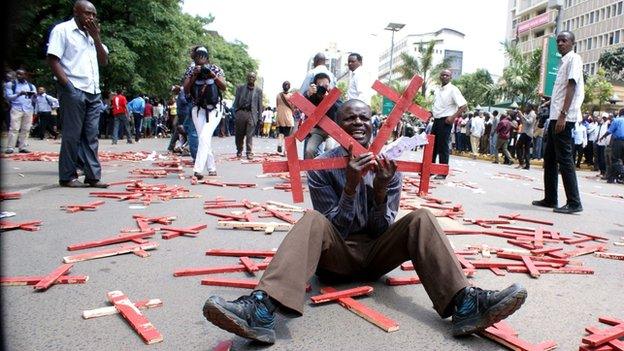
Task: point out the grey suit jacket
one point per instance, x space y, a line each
256 101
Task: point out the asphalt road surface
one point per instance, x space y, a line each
559 306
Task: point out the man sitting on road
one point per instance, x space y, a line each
351 235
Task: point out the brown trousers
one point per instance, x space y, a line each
313 245
245 125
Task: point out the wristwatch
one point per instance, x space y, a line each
564 113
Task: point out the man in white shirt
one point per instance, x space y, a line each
319 67
74 52
565 111
449 103
359 80
477 128
44 104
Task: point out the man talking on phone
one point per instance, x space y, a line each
74 51
19 93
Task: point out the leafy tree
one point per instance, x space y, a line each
476 87
613 63
422 66
521 76
598 90
148 41
343 86
376 102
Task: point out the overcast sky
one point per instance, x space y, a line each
283 35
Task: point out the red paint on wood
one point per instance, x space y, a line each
135 318
239 253
359 291
235 283
402 280
249 265
111 240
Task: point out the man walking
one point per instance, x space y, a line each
137 107
449 104
565 111
247 108
74 52
119 106
44 104
19 93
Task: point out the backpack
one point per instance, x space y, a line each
30 85
207 95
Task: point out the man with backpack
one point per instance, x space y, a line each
19 93
204 81
44 104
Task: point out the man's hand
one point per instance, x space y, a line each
93 28
384 171
449 120
196 70
560 126
355 169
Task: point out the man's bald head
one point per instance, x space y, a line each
354 117
319 59
84 11
81 4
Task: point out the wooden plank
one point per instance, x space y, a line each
110 310
513 342
215 270
596 237
497 271
425 174
110 252
32 280
254 225
294 169
533 272
239 253
49 279
359 291
402 280
605 336
224 346
615 343
135 318
235 283
365 312
610 255
248 264
110 240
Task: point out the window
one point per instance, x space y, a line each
591 18
608 11
539 33
581 20
602 14
619 8
610 38
616 38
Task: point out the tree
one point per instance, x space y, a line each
376 102
476 87
598 90
422 66
521 77
148 41
343 86
613 63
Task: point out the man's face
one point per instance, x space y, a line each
40 90
323 82
564 43
445 77
85 12
355 119
20 75
353 63
286 86
251 79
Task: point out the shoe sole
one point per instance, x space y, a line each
225 320
494 314
544 205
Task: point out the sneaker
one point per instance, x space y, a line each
567 209
250 156
24 151
212 173
8 151
250 316
440 177
543 203
129 141
114 142
74 183
478 309
95 183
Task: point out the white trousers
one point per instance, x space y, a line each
19 128
205 161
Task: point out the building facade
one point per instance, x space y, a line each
598 25
449 43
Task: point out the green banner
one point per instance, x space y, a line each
550 64
387 106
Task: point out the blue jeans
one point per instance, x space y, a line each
117 119
191 134
537 147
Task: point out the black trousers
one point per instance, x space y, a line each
46 123
523 149
558 158
80 113
617 159
442 132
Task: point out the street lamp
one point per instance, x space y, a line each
394 27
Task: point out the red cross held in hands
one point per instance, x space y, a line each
317 117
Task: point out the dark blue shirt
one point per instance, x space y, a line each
357 213
617 128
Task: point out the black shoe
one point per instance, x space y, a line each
250 316
567 209
478 309
74 183
239 155
440 177
250 156
279 149
543 203
24 151
94 183
199 176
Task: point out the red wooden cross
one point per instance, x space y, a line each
57 276
317 117
29 226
